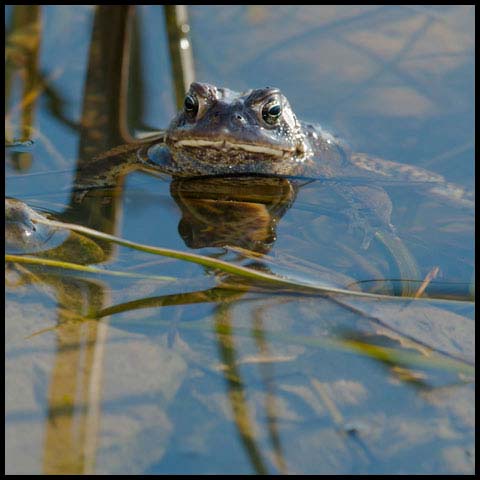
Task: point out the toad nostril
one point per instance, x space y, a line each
238 118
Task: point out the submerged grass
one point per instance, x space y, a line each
387 355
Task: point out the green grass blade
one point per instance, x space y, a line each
82 268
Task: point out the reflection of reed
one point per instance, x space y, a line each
73 399
75 387
266 370
235 386
103 86
181 57
23 63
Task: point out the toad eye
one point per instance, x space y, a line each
190 105
271 112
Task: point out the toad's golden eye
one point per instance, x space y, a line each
190 105
271 112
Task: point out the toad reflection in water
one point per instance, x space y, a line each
239 212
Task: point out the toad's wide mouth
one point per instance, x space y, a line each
226 145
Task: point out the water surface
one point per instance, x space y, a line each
127 375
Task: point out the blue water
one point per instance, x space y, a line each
161 387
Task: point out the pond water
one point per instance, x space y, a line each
201 372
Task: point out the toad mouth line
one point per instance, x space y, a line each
225 145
